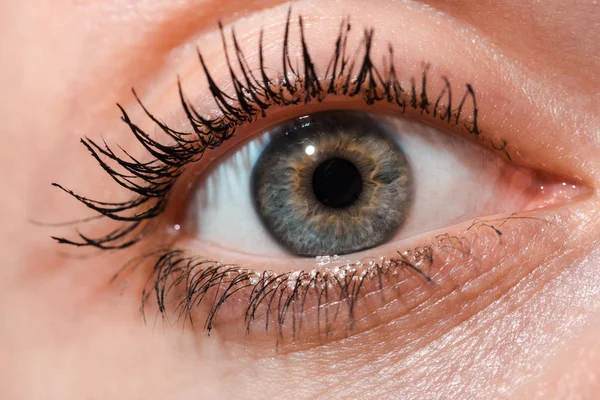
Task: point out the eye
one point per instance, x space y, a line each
313 219
331 184
338 182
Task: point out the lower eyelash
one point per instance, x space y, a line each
204 280
151 181
279 303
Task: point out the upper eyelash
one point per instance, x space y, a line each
151 181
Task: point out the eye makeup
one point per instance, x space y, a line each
337 297
346 76
342 295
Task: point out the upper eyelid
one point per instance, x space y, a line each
515 99
165 188
151 183
525 96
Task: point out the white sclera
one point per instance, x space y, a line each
223 208
454 180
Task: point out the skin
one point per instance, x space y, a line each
528 331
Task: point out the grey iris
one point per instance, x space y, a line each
332 183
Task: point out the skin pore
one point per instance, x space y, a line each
527 329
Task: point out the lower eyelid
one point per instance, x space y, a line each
483 256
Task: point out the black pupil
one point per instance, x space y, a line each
337 183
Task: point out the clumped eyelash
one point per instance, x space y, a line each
203 279
276 301
276 298
150 182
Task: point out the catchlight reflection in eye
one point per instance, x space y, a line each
339 182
